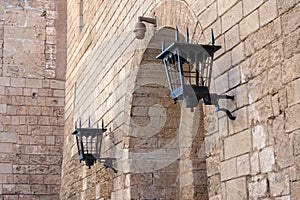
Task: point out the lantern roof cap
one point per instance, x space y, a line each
88 131
210 49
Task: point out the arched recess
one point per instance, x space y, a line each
165 141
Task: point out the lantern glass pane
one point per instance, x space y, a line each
89 142
204 70
196 67
173 74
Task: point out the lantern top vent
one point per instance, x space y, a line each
197 48
88 131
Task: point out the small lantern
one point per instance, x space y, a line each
189 71
88 142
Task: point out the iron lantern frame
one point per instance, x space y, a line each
89 142
189 72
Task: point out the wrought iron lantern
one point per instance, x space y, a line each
88 142
189 71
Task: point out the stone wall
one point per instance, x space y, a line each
255 156
163 150
32 71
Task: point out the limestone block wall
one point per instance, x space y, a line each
256 156
32 71
162 150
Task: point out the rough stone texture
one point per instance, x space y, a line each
112 76
236 188
251 5
32 115
279 184
266 159
268 12
237 144
258 187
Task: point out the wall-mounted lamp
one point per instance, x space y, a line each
140 27
89 142
189 71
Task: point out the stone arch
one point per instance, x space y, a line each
155 123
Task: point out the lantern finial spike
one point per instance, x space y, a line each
163 44
89 121
187 35
176 34
212 37
79 123
103 128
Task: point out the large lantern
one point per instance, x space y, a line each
189 71
88 142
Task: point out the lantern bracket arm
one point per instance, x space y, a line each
227 112
148 20
214 98
108 163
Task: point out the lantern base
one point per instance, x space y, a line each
192 95
89 160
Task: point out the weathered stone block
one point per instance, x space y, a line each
256 87
268 12
222 64
267 159
236 188
223 6
290 44
212 144
241 124
232 37
250 5
228 169
261 38
5 168
18 82
293 89
296 143
289 20
258 187
6 148
238 54
283 146
273 83
214 185
34 83
275 105
295 188
292 118
254 163
9 189
243 165
5 81
249 25
209 15
279 183
284 6
242 97
3 108
213 165
237 144
223 127
232 17
234 77
222 83
260 111
259 137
